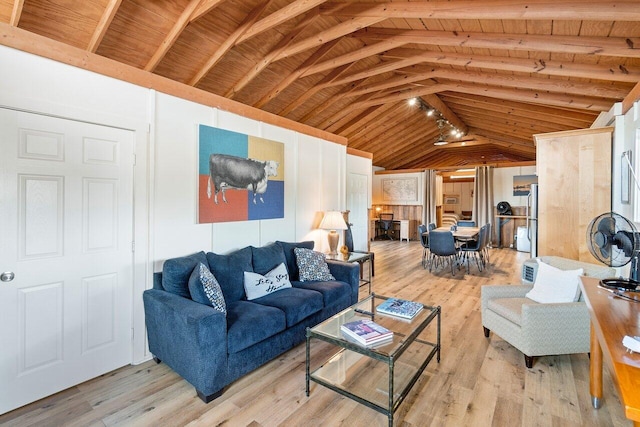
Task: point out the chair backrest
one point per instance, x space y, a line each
385 220
442 243
424 237
464 223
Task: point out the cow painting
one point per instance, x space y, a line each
239 173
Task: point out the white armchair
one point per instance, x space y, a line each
539 329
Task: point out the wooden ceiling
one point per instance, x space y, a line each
499 71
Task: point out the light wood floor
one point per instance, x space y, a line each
479 381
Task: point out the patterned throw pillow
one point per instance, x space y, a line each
256 285
202 281
312 265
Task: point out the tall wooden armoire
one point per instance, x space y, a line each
574 178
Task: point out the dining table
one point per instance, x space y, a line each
462 233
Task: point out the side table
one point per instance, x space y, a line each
360 258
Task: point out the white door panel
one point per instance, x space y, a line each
66 209
357 190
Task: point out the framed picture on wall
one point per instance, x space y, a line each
522 184
240 177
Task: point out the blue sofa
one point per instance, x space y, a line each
210 349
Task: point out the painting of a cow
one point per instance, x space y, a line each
241 173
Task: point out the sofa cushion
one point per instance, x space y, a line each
205 289
266 258
288 248
256 285
331 291
176 273
249 323
312 265
553 285
509 308
229 270
297 304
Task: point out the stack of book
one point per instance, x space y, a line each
366 332
400 308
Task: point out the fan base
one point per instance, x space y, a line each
625 285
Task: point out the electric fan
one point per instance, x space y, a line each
504 208
613 240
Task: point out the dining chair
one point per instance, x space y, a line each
474 248
442 247
464 223
424 240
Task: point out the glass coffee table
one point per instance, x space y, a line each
379 377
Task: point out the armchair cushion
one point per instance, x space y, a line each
553 285
510 308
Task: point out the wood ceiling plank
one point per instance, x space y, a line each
229 42
605 46
594 10
618 73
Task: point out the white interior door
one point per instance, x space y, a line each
66 208
357 190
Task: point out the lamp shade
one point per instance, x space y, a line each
333 220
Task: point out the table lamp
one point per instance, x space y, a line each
333 221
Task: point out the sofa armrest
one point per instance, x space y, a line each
489 292
189 337
348 273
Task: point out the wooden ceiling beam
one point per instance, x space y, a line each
103 25
287 13
229 42
353 128
205 7
16 12
315 89
582 45
521 123
549 67
173 34
295 75
330 101
492 109
596 90
529 96
585 10
339 30
500 137
542 111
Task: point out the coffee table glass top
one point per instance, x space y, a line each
369 374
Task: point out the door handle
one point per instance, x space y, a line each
7 276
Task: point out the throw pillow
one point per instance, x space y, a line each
553 285
288 248
312 265
205 289
256 285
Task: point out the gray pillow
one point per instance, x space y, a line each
312 265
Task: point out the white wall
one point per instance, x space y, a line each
166 164
359 215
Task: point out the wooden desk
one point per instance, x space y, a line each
612 319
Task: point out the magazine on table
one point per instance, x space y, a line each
400 308
374 344
366 331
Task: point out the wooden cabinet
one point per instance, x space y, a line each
574 177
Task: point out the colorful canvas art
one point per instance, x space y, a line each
240 177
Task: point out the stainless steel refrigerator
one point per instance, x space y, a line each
532 219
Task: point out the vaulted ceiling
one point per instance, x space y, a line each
498 71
